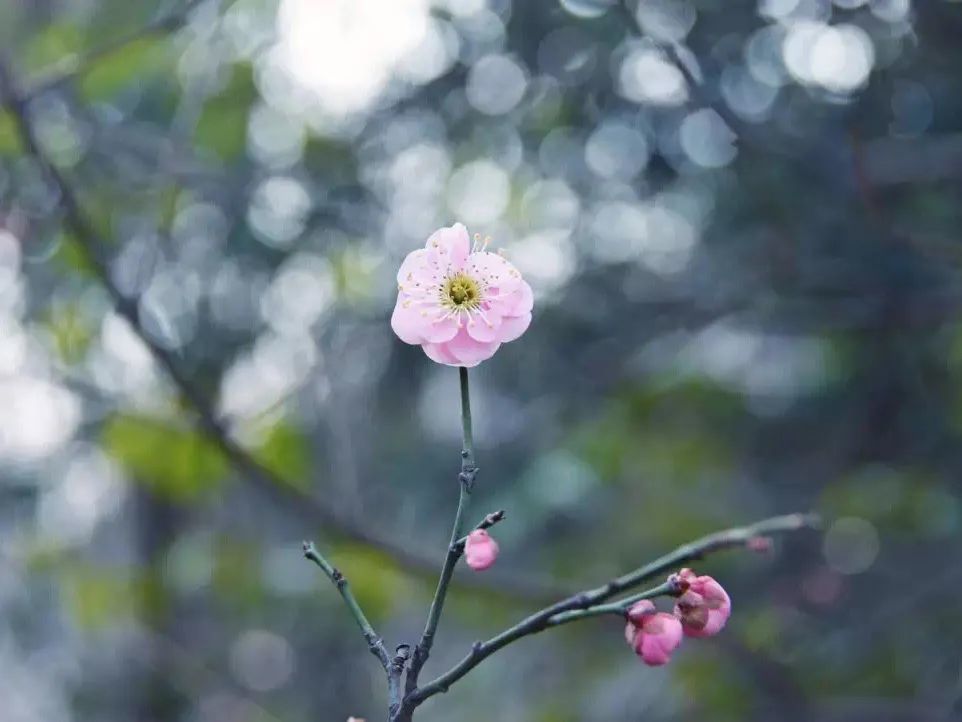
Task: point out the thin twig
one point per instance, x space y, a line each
671 588
455 546
729 538
374 642
489 521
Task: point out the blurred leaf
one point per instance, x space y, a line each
286 451
97 597
484 609
911 502
113 72
51 45
237 574
71 331
72 257
553 711
375 578
9 136
222 126
711 682
764 630
177 463
336 157
354 274
876 675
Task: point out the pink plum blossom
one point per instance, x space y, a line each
652 634
480 550
458 301
704 608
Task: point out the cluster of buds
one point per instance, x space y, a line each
701 610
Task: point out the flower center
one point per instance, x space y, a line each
461 291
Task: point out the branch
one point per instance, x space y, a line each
580 605
395 695
374 642
456 545
727 539
70 66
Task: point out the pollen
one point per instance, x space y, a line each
461 291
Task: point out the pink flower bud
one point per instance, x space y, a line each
691 610
480 550
704 609
653 635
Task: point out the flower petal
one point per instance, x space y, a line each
520 302
494 272
407 323
470 352
659 636
440 331
415 261
512 327
439 353
485 329
414 325
450 247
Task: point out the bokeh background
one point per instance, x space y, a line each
741 223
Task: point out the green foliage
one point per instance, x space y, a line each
9 136
222 126
51 45
762 632
376 579
354 275
905 501
286 452
665 431
133 63
881 672
237 575
98 597
71 331
335 157
72 257
176 462
713 685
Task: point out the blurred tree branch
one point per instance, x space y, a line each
305 506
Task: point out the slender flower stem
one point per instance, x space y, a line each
374 642
467 453
456 546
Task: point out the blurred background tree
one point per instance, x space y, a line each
740 220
